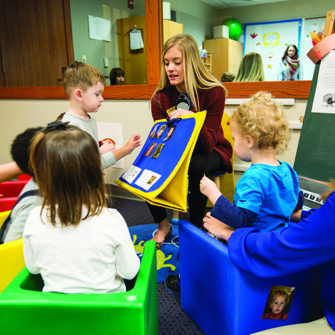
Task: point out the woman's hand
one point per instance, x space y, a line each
179 112
217 228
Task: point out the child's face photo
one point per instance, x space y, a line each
92 98
278 304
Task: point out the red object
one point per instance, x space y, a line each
24 177
11 188
131 4
6 204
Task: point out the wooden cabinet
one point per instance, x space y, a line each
171 28
226 55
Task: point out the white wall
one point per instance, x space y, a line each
196 16
134 115
284 10
293 113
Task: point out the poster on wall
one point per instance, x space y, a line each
270 40
99 28
311 34
324 98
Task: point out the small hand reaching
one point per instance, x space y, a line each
134 142
209 189
217 228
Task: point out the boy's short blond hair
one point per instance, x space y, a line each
263 120
81 75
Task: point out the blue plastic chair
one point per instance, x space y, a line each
223 299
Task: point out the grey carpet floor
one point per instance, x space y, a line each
172 320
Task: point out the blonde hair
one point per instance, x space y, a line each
81 75
196 76
263 120
281 293
67 167
251 68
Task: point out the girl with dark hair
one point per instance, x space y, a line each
73 240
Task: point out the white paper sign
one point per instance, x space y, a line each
99 29
324 98
147 179
131 173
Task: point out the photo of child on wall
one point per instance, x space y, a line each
278 303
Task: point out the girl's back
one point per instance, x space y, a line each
75 242
88 258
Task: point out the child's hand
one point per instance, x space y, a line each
207 186
209 189
134 142
296 215
127 149
107 146
217 228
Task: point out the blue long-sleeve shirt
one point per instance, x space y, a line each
265 197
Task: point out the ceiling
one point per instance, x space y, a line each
237 3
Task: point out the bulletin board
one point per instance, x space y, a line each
311 34
270 40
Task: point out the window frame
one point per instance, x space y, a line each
153 13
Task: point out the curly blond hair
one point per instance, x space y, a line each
263 120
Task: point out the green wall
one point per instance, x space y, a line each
96 50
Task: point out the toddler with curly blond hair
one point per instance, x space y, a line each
267 196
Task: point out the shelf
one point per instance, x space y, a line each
207 61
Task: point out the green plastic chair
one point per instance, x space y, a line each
24 309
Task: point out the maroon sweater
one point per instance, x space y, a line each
211 136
